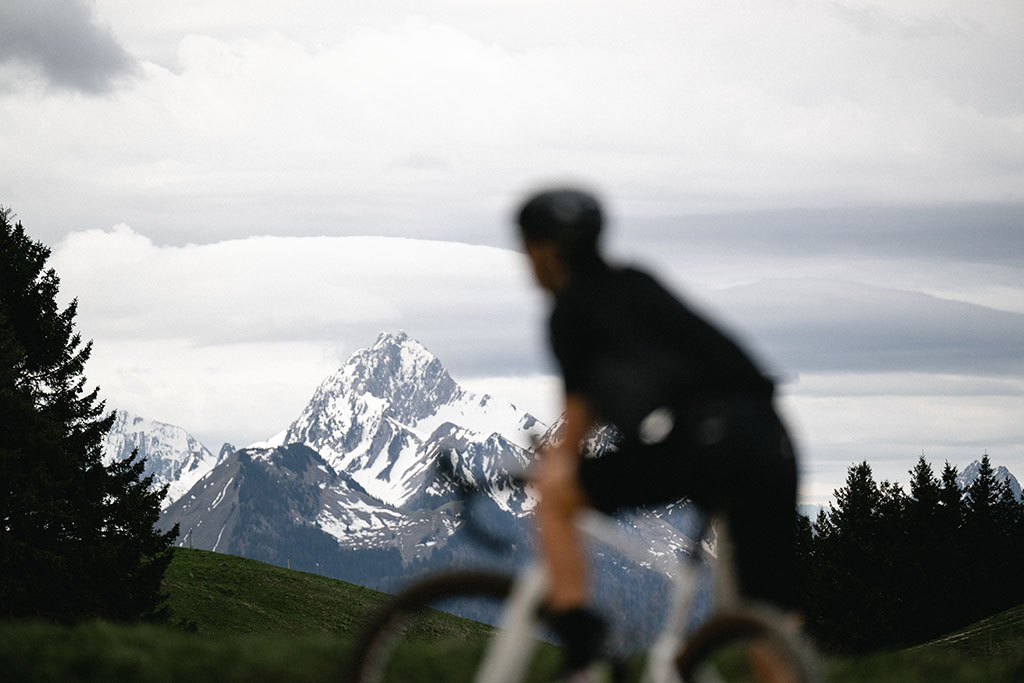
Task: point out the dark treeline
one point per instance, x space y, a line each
77 537
883 567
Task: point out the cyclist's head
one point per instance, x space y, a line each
567 217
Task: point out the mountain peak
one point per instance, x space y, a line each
398 338
402 371
371 418
1000 474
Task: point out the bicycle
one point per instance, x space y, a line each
716 652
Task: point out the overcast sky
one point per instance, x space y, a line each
241 194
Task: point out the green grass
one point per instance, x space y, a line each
234 619
223 594
231 619
989 651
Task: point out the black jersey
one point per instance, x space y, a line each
629 346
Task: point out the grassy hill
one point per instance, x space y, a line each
234 619
215 595
231 619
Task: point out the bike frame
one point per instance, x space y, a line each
509 651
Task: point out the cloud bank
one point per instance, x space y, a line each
230 339
351 121
840 183
62 41
252 326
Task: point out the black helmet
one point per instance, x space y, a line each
570 218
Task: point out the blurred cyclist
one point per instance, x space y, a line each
695 415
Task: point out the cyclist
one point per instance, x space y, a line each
695 415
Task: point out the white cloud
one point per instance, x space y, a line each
229 339
304 122
891 430
428 120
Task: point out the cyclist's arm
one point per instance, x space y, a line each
579 419
560 462
561 497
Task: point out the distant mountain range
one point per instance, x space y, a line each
173 456
352 489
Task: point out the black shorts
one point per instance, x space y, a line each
731 456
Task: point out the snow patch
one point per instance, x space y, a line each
220 496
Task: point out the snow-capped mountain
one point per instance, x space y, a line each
377 430
1000 474
173 456
359 469
383 416
286 502
353 488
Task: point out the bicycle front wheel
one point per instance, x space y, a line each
737 647
432 632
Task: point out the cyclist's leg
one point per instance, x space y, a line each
561 499
730 455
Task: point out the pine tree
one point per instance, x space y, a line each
885 569
857 506
957 580
925 492
77 538
991 524
1010 520
950 515
848 601
980 500
892 569
924 551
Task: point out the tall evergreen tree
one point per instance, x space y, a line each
925 550
848 603
980 500
892 570
925 491
1010 521
77 538
991 527
885 569
950 517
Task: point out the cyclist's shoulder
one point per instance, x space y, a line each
612 280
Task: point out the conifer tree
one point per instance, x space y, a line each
951 506
856 510
980 500
924 551
885 569
77 538
992 527
892 570
849 602
1010 520
923 505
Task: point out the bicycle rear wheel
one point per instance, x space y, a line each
409 639
736 647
